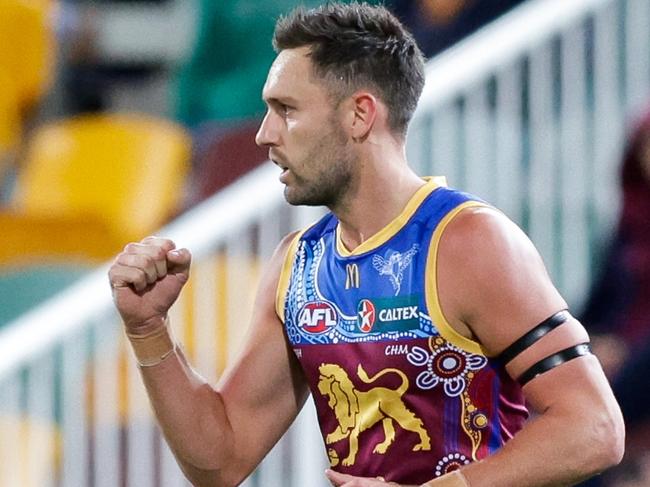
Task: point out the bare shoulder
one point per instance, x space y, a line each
493 283
485 229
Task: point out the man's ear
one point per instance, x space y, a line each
364 107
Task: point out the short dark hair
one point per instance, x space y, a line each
355 46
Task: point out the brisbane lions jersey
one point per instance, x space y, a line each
398 392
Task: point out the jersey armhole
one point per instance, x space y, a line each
431 285
285 275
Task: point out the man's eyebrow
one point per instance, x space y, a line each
282 100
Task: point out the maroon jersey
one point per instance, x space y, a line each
398 392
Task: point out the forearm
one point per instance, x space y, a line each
190 412
192 417
219 434
550 462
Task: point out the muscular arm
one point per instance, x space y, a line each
219 434
494 288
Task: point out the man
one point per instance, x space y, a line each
412 312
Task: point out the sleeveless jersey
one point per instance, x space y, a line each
398 392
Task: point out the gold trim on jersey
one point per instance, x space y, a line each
285 275
431 286
394 226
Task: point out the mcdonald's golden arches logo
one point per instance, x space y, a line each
352 276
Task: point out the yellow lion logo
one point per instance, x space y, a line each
357 411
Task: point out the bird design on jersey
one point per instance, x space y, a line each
394 265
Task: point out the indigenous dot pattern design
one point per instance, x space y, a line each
446 365
451 462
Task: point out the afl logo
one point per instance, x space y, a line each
317 317
365 315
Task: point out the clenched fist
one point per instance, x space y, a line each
146 279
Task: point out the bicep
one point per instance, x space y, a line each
578 385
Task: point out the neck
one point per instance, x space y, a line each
383 188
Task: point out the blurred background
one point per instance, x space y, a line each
124 118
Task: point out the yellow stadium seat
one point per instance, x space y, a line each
27 47
92 183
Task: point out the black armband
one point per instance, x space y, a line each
553 361
533 335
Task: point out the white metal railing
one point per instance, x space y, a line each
528 113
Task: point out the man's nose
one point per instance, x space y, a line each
267 134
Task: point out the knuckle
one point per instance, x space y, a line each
151 273
159 253
125 259
145 261
131 248
140 275
158 241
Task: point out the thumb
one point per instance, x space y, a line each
178 261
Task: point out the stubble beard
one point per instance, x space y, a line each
332 181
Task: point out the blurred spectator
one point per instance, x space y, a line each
88 76
618 309
438 24
84 89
